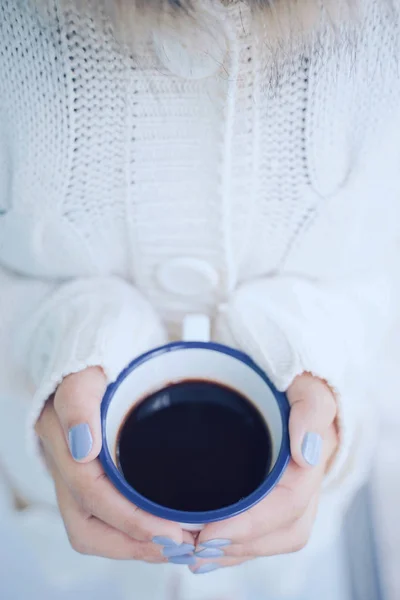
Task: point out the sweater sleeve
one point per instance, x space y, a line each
290 325
48 331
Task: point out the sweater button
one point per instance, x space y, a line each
197 53
187 276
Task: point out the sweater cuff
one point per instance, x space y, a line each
102 322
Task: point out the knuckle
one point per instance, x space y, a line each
137 527
154 554
300 544
145 532
142 556
87 504
250 549
82 495
79 545
137 555
77 485
145 554
90 502
239 549
154 560
77 539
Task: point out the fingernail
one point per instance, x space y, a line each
218 543
210 553
311 448
180 550
206 569
186 559
80 441
164 541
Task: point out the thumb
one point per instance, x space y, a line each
77 404
313 410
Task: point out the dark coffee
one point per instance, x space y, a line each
194 446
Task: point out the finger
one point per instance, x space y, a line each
77 404
97 496
286 503
288 539
313 410
277 545
284 541
88 535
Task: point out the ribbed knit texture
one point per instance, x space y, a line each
279 170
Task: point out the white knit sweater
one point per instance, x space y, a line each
215 176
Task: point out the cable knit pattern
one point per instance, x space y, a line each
257 186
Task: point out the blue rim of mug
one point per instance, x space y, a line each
219 514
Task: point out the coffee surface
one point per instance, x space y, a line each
194 446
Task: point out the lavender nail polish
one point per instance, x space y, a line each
163 541
312 448
186 559
80 441
181 550
207 568
217 543
210 553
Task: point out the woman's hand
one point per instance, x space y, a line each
98 519
283 521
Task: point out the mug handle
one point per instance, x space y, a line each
196 328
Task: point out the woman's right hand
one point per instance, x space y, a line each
98 519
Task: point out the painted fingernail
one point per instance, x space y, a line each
206 569
210 553
311 448
181 550
218 543
164 541
186 559
80 441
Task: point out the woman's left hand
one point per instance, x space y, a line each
283 521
